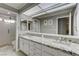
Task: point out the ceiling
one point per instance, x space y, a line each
29 9
19 6
44 9
40 7
14 8
16 5
6 12
10 8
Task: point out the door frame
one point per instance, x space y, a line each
69 15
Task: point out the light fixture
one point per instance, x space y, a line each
12 21
9 21
8 12
1 19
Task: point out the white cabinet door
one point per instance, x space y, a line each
32 48
21 44
38 49
26 46
35 49
38 52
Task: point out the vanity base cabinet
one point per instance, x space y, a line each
33 48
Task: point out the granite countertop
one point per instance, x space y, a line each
68 46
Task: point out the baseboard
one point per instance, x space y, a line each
20 53
5 45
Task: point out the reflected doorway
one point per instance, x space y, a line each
63 25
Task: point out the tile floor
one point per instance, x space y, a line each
7 51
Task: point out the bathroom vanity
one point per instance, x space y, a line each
38 46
